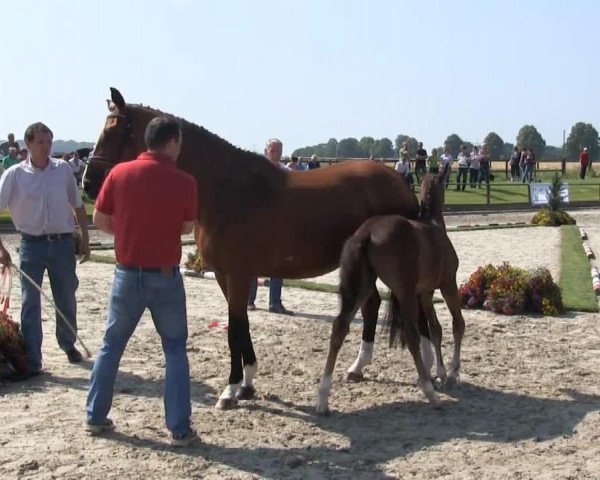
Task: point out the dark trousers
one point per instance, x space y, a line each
515 171
484 172
582 170
473 176
462 173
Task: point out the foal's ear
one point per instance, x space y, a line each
117 98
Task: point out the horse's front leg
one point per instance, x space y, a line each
369 311
452 298
243 360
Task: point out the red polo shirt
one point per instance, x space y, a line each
584 158
148 199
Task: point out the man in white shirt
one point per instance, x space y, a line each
41 195
446 159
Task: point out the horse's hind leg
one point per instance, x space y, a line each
370 311
452 298
435 332
410 309
339 331
426 347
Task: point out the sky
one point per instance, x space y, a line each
308 70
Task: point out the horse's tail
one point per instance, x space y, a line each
356 273
395 322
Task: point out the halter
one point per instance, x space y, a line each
103 161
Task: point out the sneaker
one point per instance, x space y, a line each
184 440
96 428
280 309
74 356
251 307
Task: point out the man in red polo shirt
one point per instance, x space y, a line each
147 204
584 158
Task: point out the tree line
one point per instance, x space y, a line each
582 135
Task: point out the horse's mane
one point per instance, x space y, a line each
229 167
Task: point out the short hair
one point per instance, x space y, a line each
273 141
34 128
294 158
160 131
23 150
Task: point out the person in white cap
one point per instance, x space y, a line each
584 159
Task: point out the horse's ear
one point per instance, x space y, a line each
117 98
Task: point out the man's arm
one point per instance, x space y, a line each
103 222
81 216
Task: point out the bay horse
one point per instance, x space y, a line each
413 258
255 219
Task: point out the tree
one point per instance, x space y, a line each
348 148
412 147
553 153
331 148
383 148
495 145
453 143
366 146
400 139
507 150
529 137
582 135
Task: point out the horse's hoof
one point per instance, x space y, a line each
451 381
226 403
323 411
355 377
246 393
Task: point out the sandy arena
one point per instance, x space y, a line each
527 406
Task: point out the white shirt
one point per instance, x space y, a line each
463 159
76 167
40 201
401 167
475 159
446 159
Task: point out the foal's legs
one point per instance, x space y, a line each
450 293
240 343
370 311
340 329
435 332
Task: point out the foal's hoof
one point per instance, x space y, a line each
451 381
226 403
355 377
246 393
323 411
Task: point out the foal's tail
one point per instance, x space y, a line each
357 276
395 322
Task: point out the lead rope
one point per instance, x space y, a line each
38 288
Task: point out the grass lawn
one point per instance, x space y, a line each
575 279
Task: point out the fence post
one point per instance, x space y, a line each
506 169
563 166
529 193
487 193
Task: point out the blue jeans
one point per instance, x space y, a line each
58 257
484 172
133 292
528 173
275 286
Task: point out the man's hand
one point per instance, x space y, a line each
84 255
5 257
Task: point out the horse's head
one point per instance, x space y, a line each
121 139
433 188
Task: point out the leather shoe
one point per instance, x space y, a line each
280 309
74 356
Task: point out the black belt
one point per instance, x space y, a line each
51 237
164 270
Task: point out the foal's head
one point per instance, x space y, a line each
432 196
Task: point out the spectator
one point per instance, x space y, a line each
584 159
76 167
484 165
4 147
529 166
11 159
402 167
41 195
147 274
293 164
420 168
447 160
523 160
515 158
314 162
434 162
474 167
273 152
23 154
463 168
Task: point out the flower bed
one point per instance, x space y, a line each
512 290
